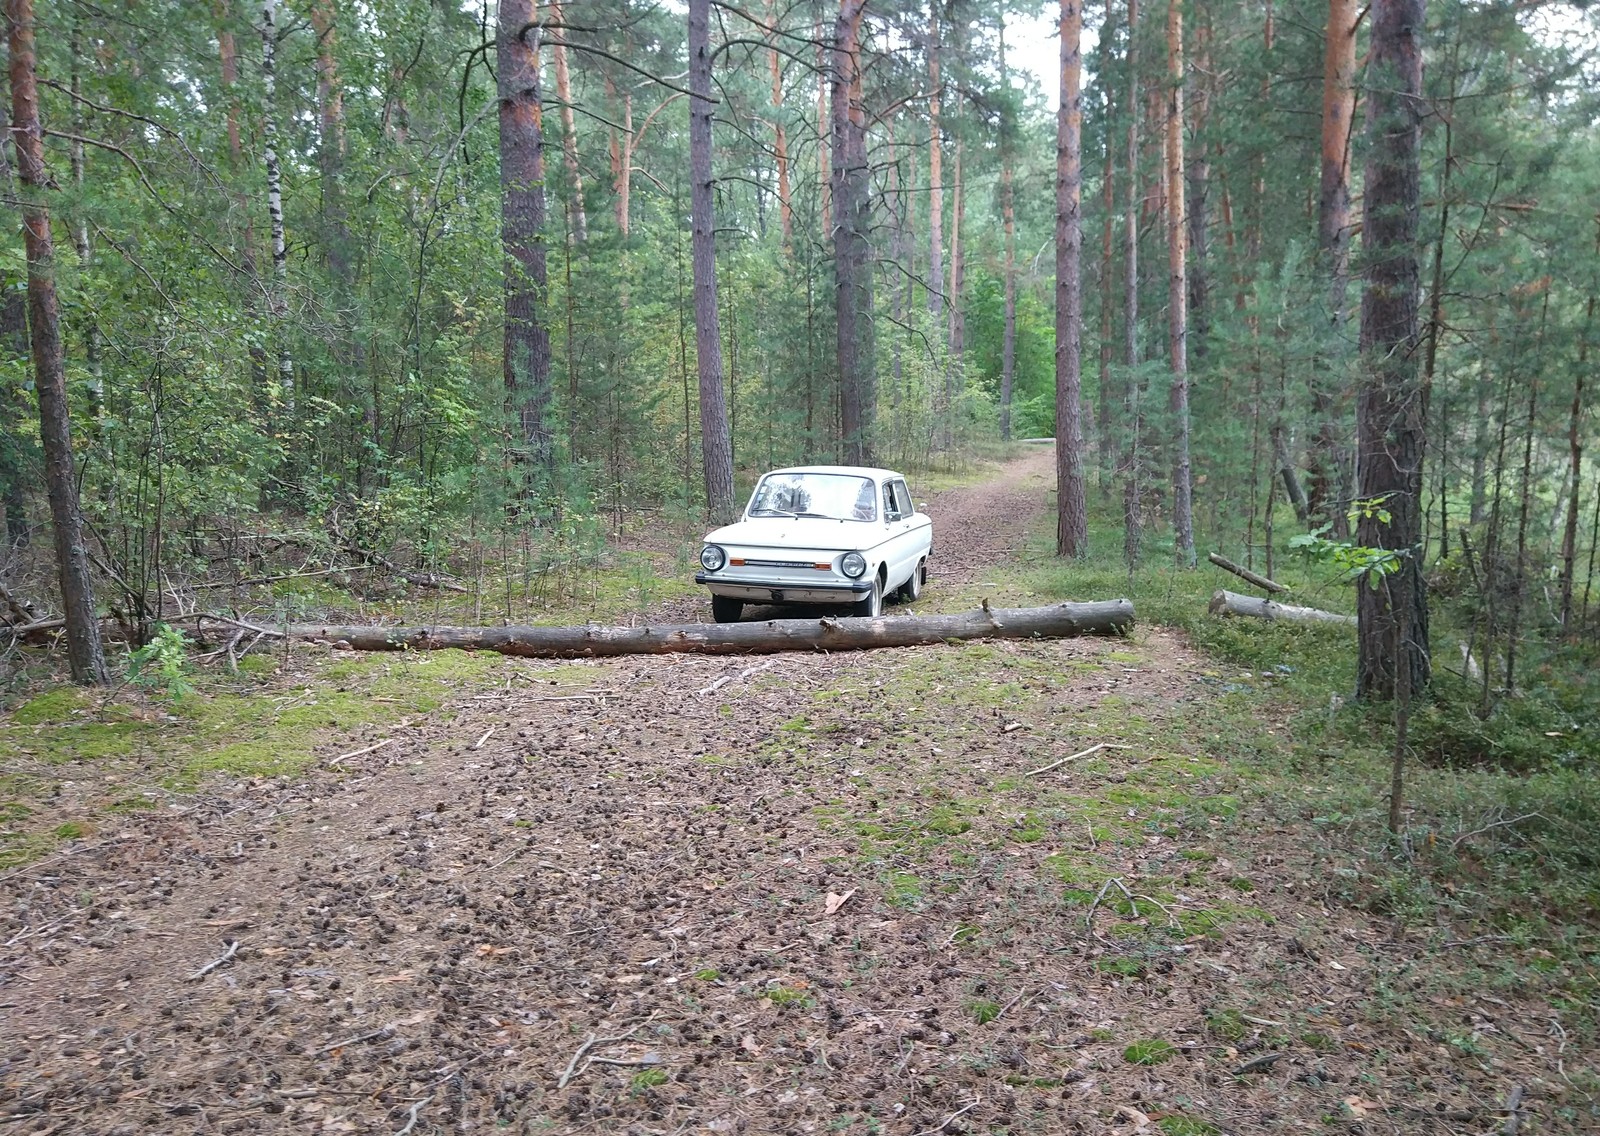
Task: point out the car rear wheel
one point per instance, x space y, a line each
725 609
911 590
871 605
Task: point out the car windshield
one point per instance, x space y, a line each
837 496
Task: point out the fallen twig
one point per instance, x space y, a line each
359 752
411 1119
479 743
380 1034
1074 757
1466 836
233 949
1258 1064
572 1065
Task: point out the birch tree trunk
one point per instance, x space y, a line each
526 366
957 318
1392 411
85 656
1178 293
716 438
278 303
250 285
1072 527
569 133
1569 532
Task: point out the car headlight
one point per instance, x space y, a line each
853 564
712 558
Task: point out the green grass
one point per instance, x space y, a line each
254 724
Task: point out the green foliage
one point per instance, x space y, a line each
162 664
1153 1052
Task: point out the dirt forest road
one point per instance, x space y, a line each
794 894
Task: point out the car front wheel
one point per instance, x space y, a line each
725 609
871 605
911 590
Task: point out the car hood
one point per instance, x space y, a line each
795 532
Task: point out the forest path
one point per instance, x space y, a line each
672 894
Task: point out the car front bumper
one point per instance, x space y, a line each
781 591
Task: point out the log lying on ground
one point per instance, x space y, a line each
1244 573
1106 617
1232 603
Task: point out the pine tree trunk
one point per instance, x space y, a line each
1107 403
279 300
852 224
824 129
1329 462
1392 413
1338 109
1178 293
1072 527
935 176
780 140
13 344
569 132
526 366
1197 202
1132 521
80 237
85 656
957 318
716 437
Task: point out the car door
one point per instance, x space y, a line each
901 549
918 527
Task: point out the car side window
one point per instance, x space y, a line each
891 507
902 500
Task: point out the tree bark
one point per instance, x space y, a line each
1197 201
935 175
1104 617
279 300
13 343
569 134
1132 522
852 253
1393 406
250 283
1243 573
1328 459
1227 603
85 656
957 318
1338 110
716 437
1072 526
526 366
780 141
1177 293
1569 532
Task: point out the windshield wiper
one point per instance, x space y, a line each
769 512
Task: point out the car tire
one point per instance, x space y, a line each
872 605
911 590
725 609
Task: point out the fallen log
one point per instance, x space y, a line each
1244 573
1226 603
1105 617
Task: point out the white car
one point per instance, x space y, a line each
822 534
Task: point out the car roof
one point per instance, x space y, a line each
855 470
